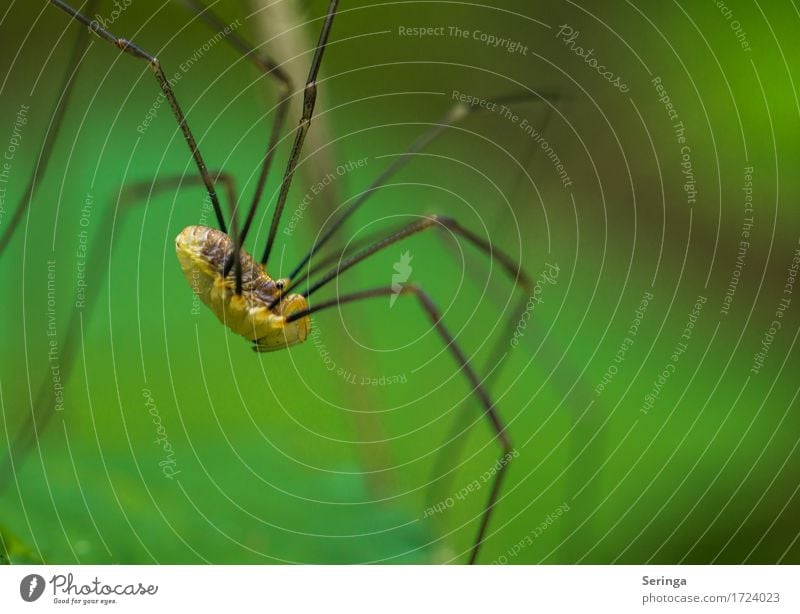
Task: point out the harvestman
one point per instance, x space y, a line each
270 312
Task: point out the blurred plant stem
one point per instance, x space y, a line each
291 39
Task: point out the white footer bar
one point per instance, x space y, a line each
401 589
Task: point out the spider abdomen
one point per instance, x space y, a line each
202 252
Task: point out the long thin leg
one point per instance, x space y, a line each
490 411
285 89
43 408
431 221
284 25
132 49
66 89
144 189
443 473
512 268
457 113
309 100
341 255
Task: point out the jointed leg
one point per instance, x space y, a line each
490 411
130 48
309 100
511 267
141 190
310 270
457 113
42 409
66 89
285 89
431 221
443 470
443 473
343 254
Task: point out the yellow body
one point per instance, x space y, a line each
202 252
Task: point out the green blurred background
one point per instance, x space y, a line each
284 458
